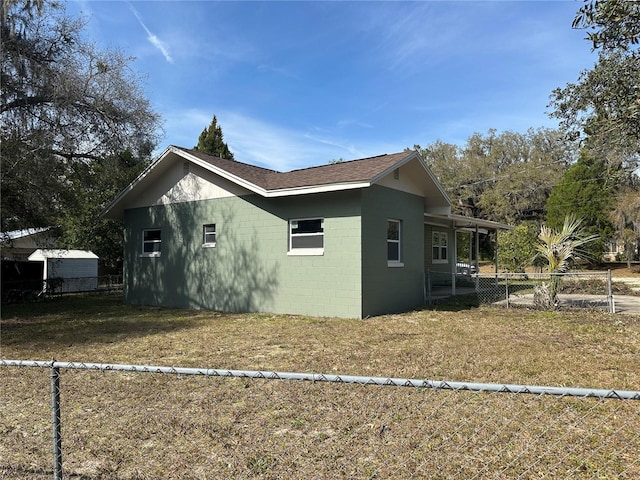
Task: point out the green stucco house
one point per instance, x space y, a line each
350 239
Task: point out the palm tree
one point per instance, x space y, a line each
558 249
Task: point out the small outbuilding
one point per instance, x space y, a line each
67 270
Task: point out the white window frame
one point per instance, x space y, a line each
153 253
305 251
436 237
205 234
395 262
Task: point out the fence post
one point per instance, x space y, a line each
55 419
506 282
612 305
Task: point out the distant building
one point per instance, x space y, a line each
32 265
67 270
19 244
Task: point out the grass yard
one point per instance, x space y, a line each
140 426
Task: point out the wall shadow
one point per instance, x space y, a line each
237 275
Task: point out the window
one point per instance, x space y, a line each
306 236
209 235
439 246
394 250
151 242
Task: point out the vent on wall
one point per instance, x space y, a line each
396 174
185 168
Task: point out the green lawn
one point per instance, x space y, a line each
125 425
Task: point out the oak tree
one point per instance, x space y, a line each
65 104
604 104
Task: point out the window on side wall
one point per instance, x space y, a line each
394 243
209 235
306 236
151 242
440 246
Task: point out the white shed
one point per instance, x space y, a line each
77 270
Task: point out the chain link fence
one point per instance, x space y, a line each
591 290
112 421
33 290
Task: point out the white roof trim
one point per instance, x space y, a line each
329 187
283 192
219 171
460 221
234 179
411 156
135 182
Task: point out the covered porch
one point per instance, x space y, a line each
446 272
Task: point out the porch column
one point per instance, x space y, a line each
496 250
454 259
477 258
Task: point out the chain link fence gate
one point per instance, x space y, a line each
108 421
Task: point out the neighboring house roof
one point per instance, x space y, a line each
43 254
27 232
270 183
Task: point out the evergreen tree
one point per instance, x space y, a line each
586 192
211 141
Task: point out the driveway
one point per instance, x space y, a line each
627 304
623 304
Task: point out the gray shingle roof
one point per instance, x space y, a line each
361 170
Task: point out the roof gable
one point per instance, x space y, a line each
43 254
270 183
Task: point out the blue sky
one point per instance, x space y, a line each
295 84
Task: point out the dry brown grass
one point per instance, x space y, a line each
125 426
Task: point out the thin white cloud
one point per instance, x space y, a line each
410 34
153 38
260 143
257 142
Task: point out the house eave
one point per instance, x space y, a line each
414 155
330 187
110 209
222 173
462 222
115 210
